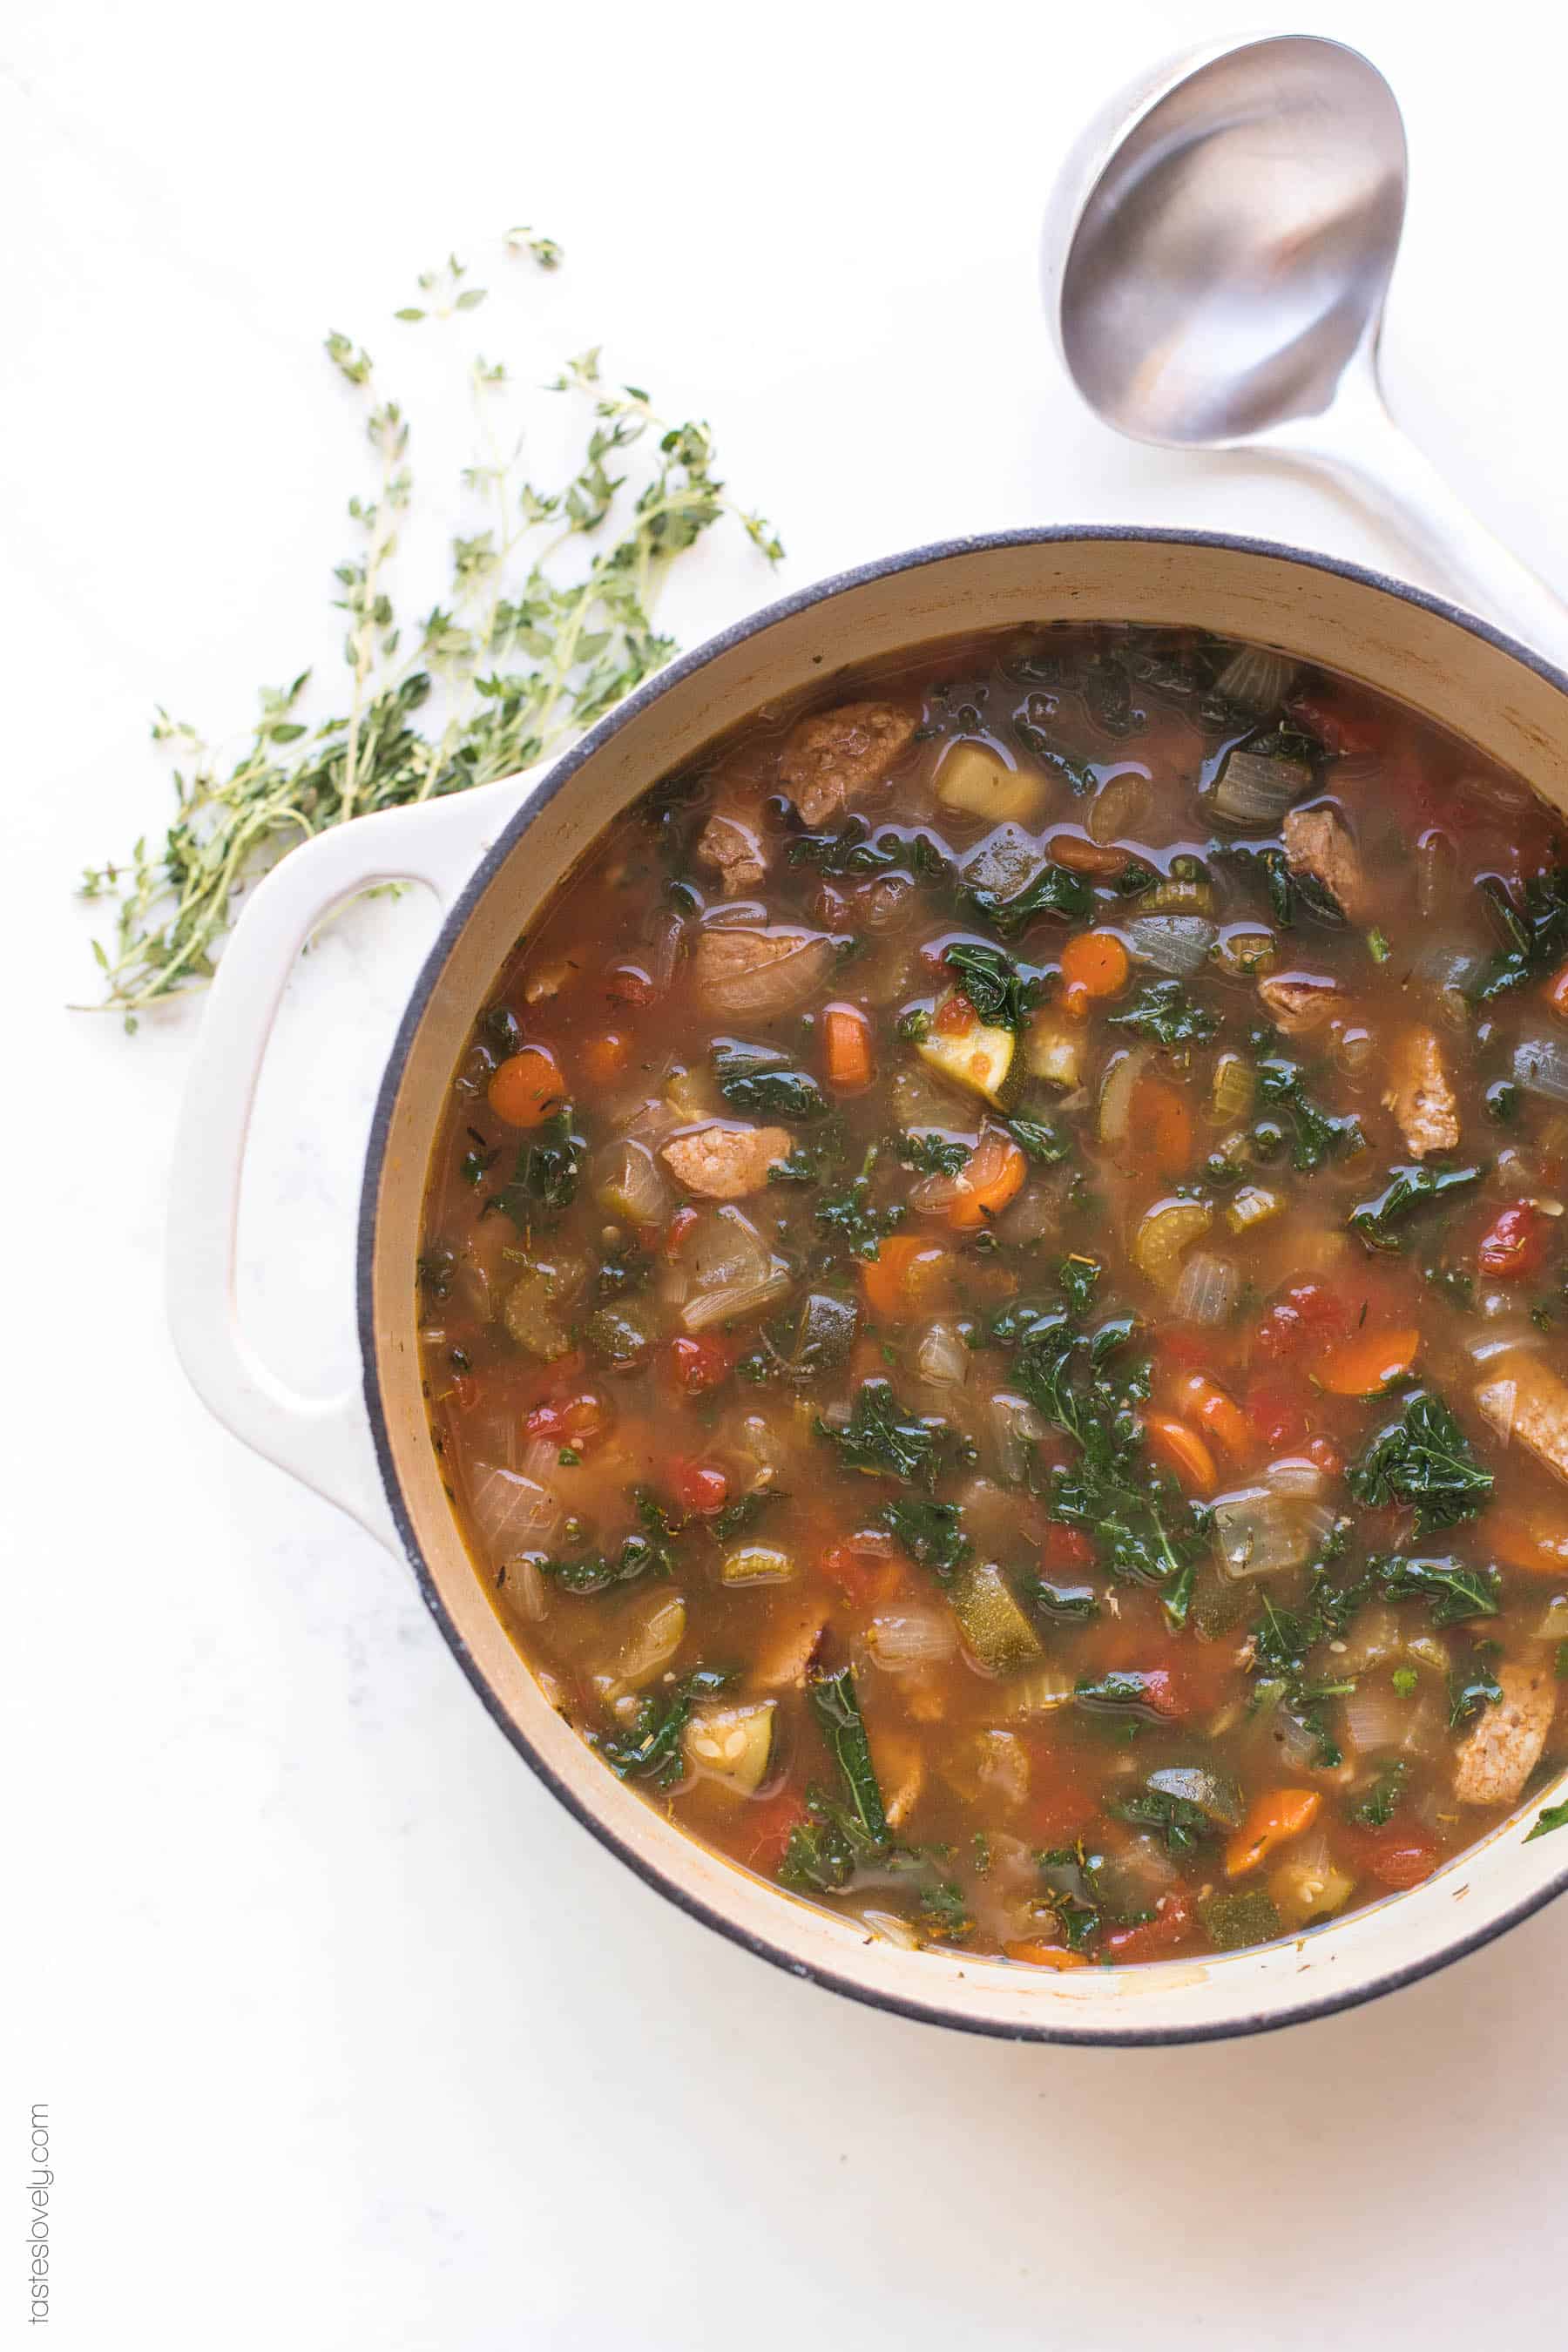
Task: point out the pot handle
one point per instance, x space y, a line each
325 1441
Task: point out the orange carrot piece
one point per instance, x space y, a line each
902 1275
527 1087
1096 962
606 1057
1182 1451
1278 1814
1047 1955
1162 1133
1556 990
994 1175
1533 1540
1216 1414
846 1048
1371 1362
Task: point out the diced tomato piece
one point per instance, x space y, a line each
867 1568
1151 1939
956 1017
1339 728
1277 1414
699 1363
1184 1351
699 1486
572 1420
1306 1311
1396 1857
768 1827
1066 1547
1326 1456
1514 1247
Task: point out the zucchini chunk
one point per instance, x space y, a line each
979 1058
732 1744
756 1564
994 1628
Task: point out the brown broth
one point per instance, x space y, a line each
1060 1672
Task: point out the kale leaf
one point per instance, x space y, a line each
1319 1135
1165 1012
852 850
1378 1221
1535 926
544 1182
1472 1686
652 1749
1052 891
999 992
930 1154
836 1706
1552 1817
852 1221
881 1438
1038 1139
1456 1592
1424 1460
932 1533
1379 1803
759 1078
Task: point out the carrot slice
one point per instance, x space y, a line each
902 1275
1216 1414
846 1048
1162 1127
1047 1955
1533 1541
1556 990
1182 1451
605 1058
1097 962
993 1175
1278 1814
1371 1362
527 1086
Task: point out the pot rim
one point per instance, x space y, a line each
1278 2014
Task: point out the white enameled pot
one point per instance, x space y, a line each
493 857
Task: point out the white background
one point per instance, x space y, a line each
353 2041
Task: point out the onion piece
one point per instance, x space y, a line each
940 1356
730 1305
514 1510
766 968
1016 1428
627 1184
1541 1067
1255 679
1294 1474
524 1589
1176 944
1116 1096
1255 788
1259 1533
900 1641
1207 1289
1451 963
1510 1338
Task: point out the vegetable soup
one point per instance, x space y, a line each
993 1295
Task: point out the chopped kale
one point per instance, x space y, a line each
1552 1817
478 1161
1423 1460
1165 1012
434 1271
1052 891
1078 1278
1472 1686
1054 1596
1377 1805
852 850
932 1533
622 1270
1455 1592
545 1178
880 1437
651 1751
850 1219
1078 776
814 1159
836 1706
1038 1139
1379 1221
1177 1820
1319 1135
760 1080
1000 993
930 1154
1534 924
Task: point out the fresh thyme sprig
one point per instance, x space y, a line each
541 631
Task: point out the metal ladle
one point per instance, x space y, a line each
1216 258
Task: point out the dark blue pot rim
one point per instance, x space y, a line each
626 714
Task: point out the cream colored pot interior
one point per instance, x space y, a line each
1479 690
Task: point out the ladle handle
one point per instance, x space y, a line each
1359 442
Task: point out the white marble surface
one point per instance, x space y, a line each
354 2041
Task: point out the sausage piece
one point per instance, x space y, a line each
724 1162
732 849
1499 1755
1317 842
1421 1098
1300 1003
834 756
1528 1402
